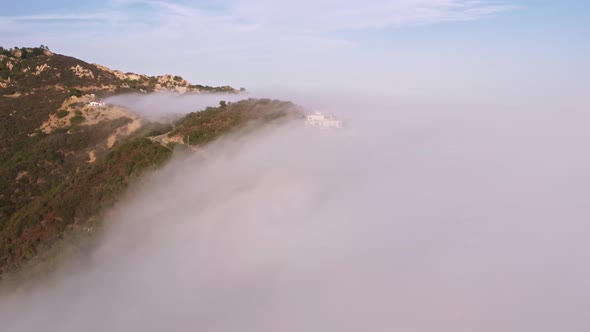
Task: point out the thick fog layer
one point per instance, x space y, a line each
165 106
421 219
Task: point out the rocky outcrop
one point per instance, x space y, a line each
40 69
81 72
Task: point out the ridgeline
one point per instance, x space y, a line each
64 162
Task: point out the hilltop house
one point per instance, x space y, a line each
317 119
97 103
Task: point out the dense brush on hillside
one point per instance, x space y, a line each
62 163
207 125
38 68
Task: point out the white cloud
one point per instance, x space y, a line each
332 15
311 19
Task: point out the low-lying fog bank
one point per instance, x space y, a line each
427 219
164 106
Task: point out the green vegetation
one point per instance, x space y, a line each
48 186
24 53
207 125
156 128
211 89
47 160
57 72
77 104
77 119
78 200
62 114
75 92
62 189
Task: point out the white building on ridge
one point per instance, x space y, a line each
320 120
97 103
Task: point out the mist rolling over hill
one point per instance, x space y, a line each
436 225
67 155
294 166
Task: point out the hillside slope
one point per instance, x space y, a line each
62 162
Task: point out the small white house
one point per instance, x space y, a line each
97 103
320 120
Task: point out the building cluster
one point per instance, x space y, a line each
320 120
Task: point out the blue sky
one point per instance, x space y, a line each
417 48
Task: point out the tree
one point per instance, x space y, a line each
222 104
38 51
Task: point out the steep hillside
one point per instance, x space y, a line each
63 162
34 84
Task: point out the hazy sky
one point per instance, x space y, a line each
409 48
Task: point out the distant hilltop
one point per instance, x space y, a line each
26 68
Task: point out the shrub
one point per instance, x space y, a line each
77 104
75 92
77 119
62 114
37 51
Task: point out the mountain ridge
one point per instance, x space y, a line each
22 68
64 162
